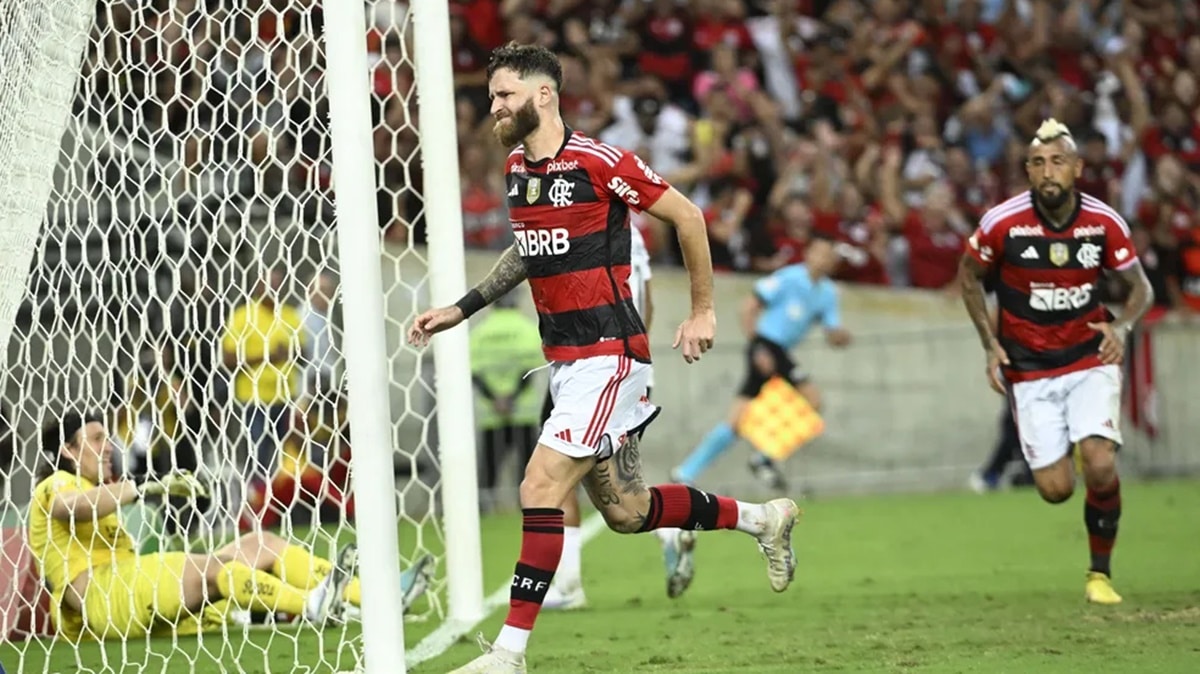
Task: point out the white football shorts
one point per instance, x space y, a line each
597 402
1054 413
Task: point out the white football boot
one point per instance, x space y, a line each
494 660
325 601
775 542
678 546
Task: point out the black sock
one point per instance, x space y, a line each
1101 513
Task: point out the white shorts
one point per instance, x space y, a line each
597 402
1053 414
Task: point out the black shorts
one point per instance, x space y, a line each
783 366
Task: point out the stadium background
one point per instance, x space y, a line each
888 125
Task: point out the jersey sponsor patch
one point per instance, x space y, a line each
1059 299
533 242
624 190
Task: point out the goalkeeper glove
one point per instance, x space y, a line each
175 483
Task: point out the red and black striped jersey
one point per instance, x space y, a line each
570 216
1047 279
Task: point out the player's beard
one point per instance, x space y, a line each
1053 200
515 128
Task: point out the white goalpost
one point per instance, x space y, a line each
217 220
369 416
447 283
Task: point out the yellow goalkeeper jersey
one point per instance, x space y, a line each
64 549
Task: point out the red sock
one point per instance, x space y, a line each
541 548
679 506
1101 513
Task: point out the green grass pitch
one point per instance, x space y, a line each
948 582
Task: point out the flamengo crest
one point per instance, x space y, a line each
562 192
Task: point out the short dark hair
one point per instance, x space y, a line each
525 60
64 431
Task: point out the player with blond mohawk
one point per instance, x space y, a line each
1057 351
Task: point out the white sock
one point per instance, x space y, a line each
572 554
512 639
667 536
752 518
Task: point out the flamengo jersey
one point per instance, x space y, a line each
570 217
1046 281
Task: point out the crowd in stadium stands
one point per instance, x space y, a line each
890 125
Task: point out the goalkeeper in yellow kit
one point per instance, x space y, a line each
101 588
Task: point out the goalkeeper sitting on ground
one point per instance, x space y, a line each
101 588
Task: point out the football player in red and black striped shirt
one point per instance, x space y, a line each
569 198
1057 349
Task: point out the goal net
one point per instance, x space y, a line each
170 263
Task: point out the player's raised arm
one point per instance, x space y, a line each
696 334
508 272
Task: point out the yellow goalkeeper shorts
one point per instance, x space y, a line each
139 596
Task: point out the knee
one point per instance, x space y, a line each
539 491
1099 461
1055 493
1056 483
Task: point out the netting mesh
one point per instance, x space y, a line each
185 286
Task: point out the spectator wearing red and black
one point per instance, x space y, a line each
787 233
720 22
976 186
934 233
1172 201
468 60
1178 133
484 214
665 32
1101 175
842 213
600 32
967 48
728 236
483 20
1189 266
862 235
1160 257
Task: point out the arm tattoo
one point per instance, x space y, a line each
1141 295
506 275
970 276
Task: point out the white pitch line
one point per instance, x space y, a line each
449 632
